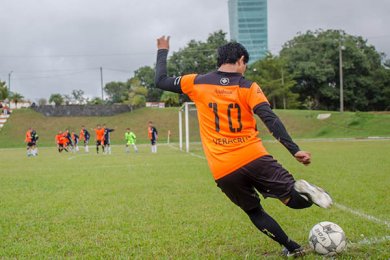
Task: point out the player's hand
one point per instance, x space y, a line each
303 157
163 43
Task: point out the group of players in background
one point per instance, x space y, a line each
69 141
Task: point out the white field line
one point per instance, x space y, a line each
363 215
192 154
371 241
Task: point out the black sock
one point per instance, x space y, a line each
266 224
297 201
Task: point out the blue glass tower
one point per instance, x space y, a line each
248 26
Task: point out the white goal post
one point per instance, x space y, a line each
185 108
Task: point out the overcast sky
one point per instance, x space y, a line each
54 46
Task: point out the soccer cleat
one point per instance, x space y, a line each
313 193
296 253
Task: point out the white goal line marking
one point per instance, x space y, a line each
362 215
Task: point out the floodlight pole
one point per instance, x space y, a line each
9 81
341 48
101 81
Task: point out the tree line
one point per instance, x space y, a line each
305 74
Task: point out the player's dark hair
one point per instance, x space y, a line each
230 53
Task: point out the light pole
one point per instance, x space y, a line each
341 48
9 81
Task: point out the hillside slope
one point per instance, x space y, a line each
300 124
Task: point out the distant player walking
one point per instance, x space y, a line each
239 162
85 135
153 136
130 140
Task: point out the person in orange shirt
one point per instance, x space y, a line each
240 164
99 131
61 142
153 136
29 142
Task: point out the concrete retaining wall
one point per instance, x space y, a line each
82 110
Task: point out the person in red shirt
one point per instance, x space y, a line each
99 131
240 164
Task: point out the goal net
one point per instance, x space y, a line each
188 126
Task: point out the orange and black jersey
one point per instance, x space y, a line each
226 104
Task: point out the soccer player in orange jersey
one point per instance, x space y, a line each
226 104
153 136
99 138
29 142
61 142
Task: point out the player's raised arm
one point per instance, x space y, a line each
162 81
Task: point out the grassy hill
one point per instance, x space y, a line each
300 124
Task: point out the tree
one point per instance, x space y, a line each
274 79
42 102
57 99
145 76
117 91
16 98
3 90
95 101
313 59
137 93
170 99
78 96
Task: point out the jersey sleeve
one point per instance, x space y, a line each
187 84
256 96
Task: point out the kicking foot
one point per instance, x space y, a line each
313 193
299 252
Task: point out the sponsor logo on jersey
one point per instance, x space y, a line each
229 141
222 92
224 81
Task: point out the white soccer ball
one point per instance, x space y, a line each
327 238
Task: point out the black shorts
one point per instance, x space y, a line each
30 144
153 141
265 175
99 142
106 142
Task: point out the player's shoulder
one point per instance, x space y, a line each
220 78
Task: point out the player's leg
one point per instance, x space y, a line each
135 148
97 146
127 148
239 189
86 147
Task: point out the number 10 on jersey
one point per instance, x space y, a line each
231 108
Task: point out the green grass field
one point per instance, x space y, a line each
167 206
